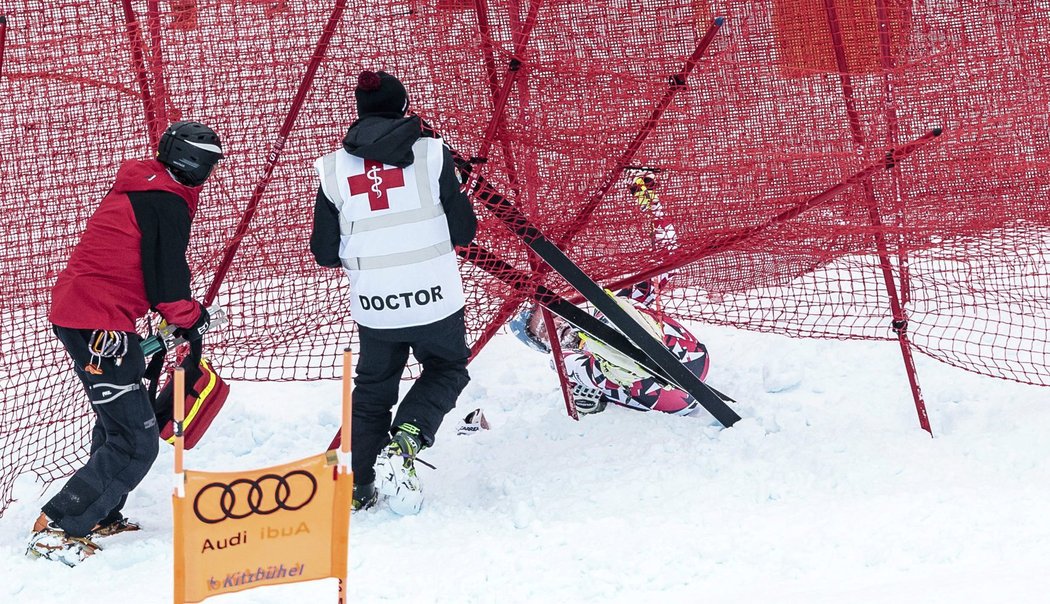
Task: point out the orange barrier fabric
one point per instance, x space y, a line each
282 524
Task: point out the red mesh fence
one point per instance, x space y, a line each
792 100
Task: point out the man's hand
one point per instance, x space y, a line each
168 336
196 331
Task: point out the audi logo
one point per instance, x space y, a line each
266 495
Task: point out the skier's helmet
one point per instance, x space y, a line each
528 326
520 326
190 150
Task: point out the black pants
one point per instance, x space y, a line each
442 351
124 441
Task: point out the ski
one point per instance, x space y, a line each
579 318
655 352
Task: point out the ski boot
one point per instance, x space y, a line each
50 542
365 496
396 471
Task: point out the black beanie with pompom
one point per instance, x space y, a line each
379 93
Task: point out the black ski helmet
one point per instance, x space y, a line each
190 150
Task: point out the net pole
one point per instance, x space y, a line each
889 104
157 65
345 466
138 64
179 415
559 362
481 9
899 322
179 493
344 430
3 41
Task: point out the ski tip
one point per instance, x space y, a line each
719 21
937 131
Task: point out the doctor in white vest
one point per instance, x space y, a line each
389 212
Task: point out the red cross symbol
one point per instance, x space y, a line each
376 181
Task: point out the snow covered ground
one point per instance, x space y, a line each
826 492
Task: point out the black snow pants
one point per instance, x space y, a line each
441 349
124 441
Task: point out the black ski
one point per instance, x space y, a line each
657 354
579 318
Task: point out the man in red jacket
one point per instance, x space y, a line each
130 260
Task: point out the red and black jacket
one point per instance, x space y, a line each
132 257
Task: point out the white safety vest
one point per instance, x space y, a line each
394 238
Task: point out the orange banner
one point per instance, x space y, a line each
283 524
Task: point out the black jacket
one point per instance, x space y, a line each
390 141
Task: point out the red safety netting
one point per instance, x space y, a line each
768 151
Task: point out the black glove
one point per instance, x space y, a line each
195 332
